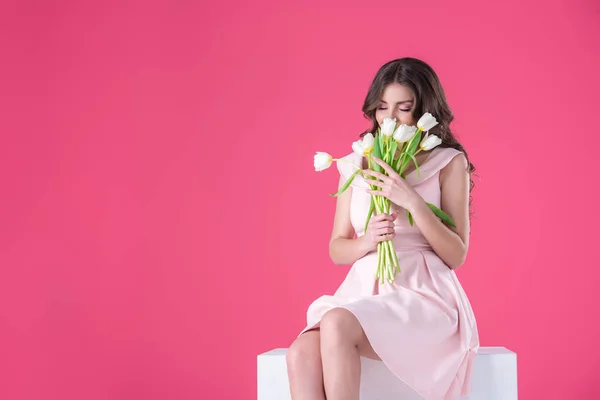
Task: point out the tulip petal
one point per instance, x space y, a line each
322 161
368 141
404 133
358 148
387 128
426 122
430 142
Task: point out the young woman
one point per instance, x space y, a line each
421 325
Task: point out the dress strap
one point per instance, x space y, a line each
437 160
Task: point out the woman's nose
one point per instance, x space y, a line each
390 114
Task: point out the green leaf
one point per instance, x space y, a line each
411 221
348 182
385 146
399 159
414 142
416 165
392 153
370 212
377 153
441 215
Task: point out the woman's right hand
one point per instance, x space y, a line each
380 229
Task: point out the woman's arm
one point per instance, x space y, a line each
450 244
344 249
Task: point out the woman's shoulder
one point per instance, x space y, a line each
448 151
446 155
438 160
353 157
451 160
348 166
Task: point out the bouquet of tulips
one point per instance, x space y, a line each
396 146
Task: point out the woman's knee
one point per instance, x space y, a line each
305 348
340 324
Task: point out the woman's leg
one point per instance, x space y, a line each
305 371
343 341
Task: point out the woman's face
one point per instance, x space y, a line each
397 102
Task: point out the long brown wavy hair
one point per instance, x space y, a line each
429 97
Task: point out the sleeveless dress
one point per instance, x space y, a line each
422 325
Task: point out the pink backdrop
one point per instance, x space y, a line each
161 221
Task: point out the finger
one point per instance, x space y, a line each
376 174
376 193
385 226
380 217
385 231
377 232
385 166
388 225
387 237
383 238
380 225
377 218
378 184
380 222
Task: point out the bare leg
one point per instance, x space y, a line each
343 341
305 371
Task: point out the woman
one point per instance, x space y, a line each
421 325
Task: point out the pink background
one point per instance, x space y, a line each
161 223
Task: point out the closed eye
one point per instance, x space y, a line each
402 109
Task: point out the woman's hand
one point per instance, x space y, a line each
380 228
393 187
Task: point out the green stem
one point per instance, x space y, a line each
379 260
350 162
388 146
387 260
408 145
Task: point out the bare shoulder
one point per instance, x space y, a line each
454 184
457 168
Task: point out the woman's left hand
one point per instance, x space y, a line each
393 187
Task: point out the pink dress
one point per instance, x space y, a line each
421 326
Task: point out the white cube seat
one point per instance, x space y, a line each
494 377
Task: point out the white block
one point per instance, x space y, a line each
494 377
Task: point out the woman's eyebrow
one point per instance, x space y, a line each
400 102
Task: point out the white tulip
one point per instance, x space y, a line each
365 146
387 129
322 161
368 142
404 133
358 148
429 142
426 122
